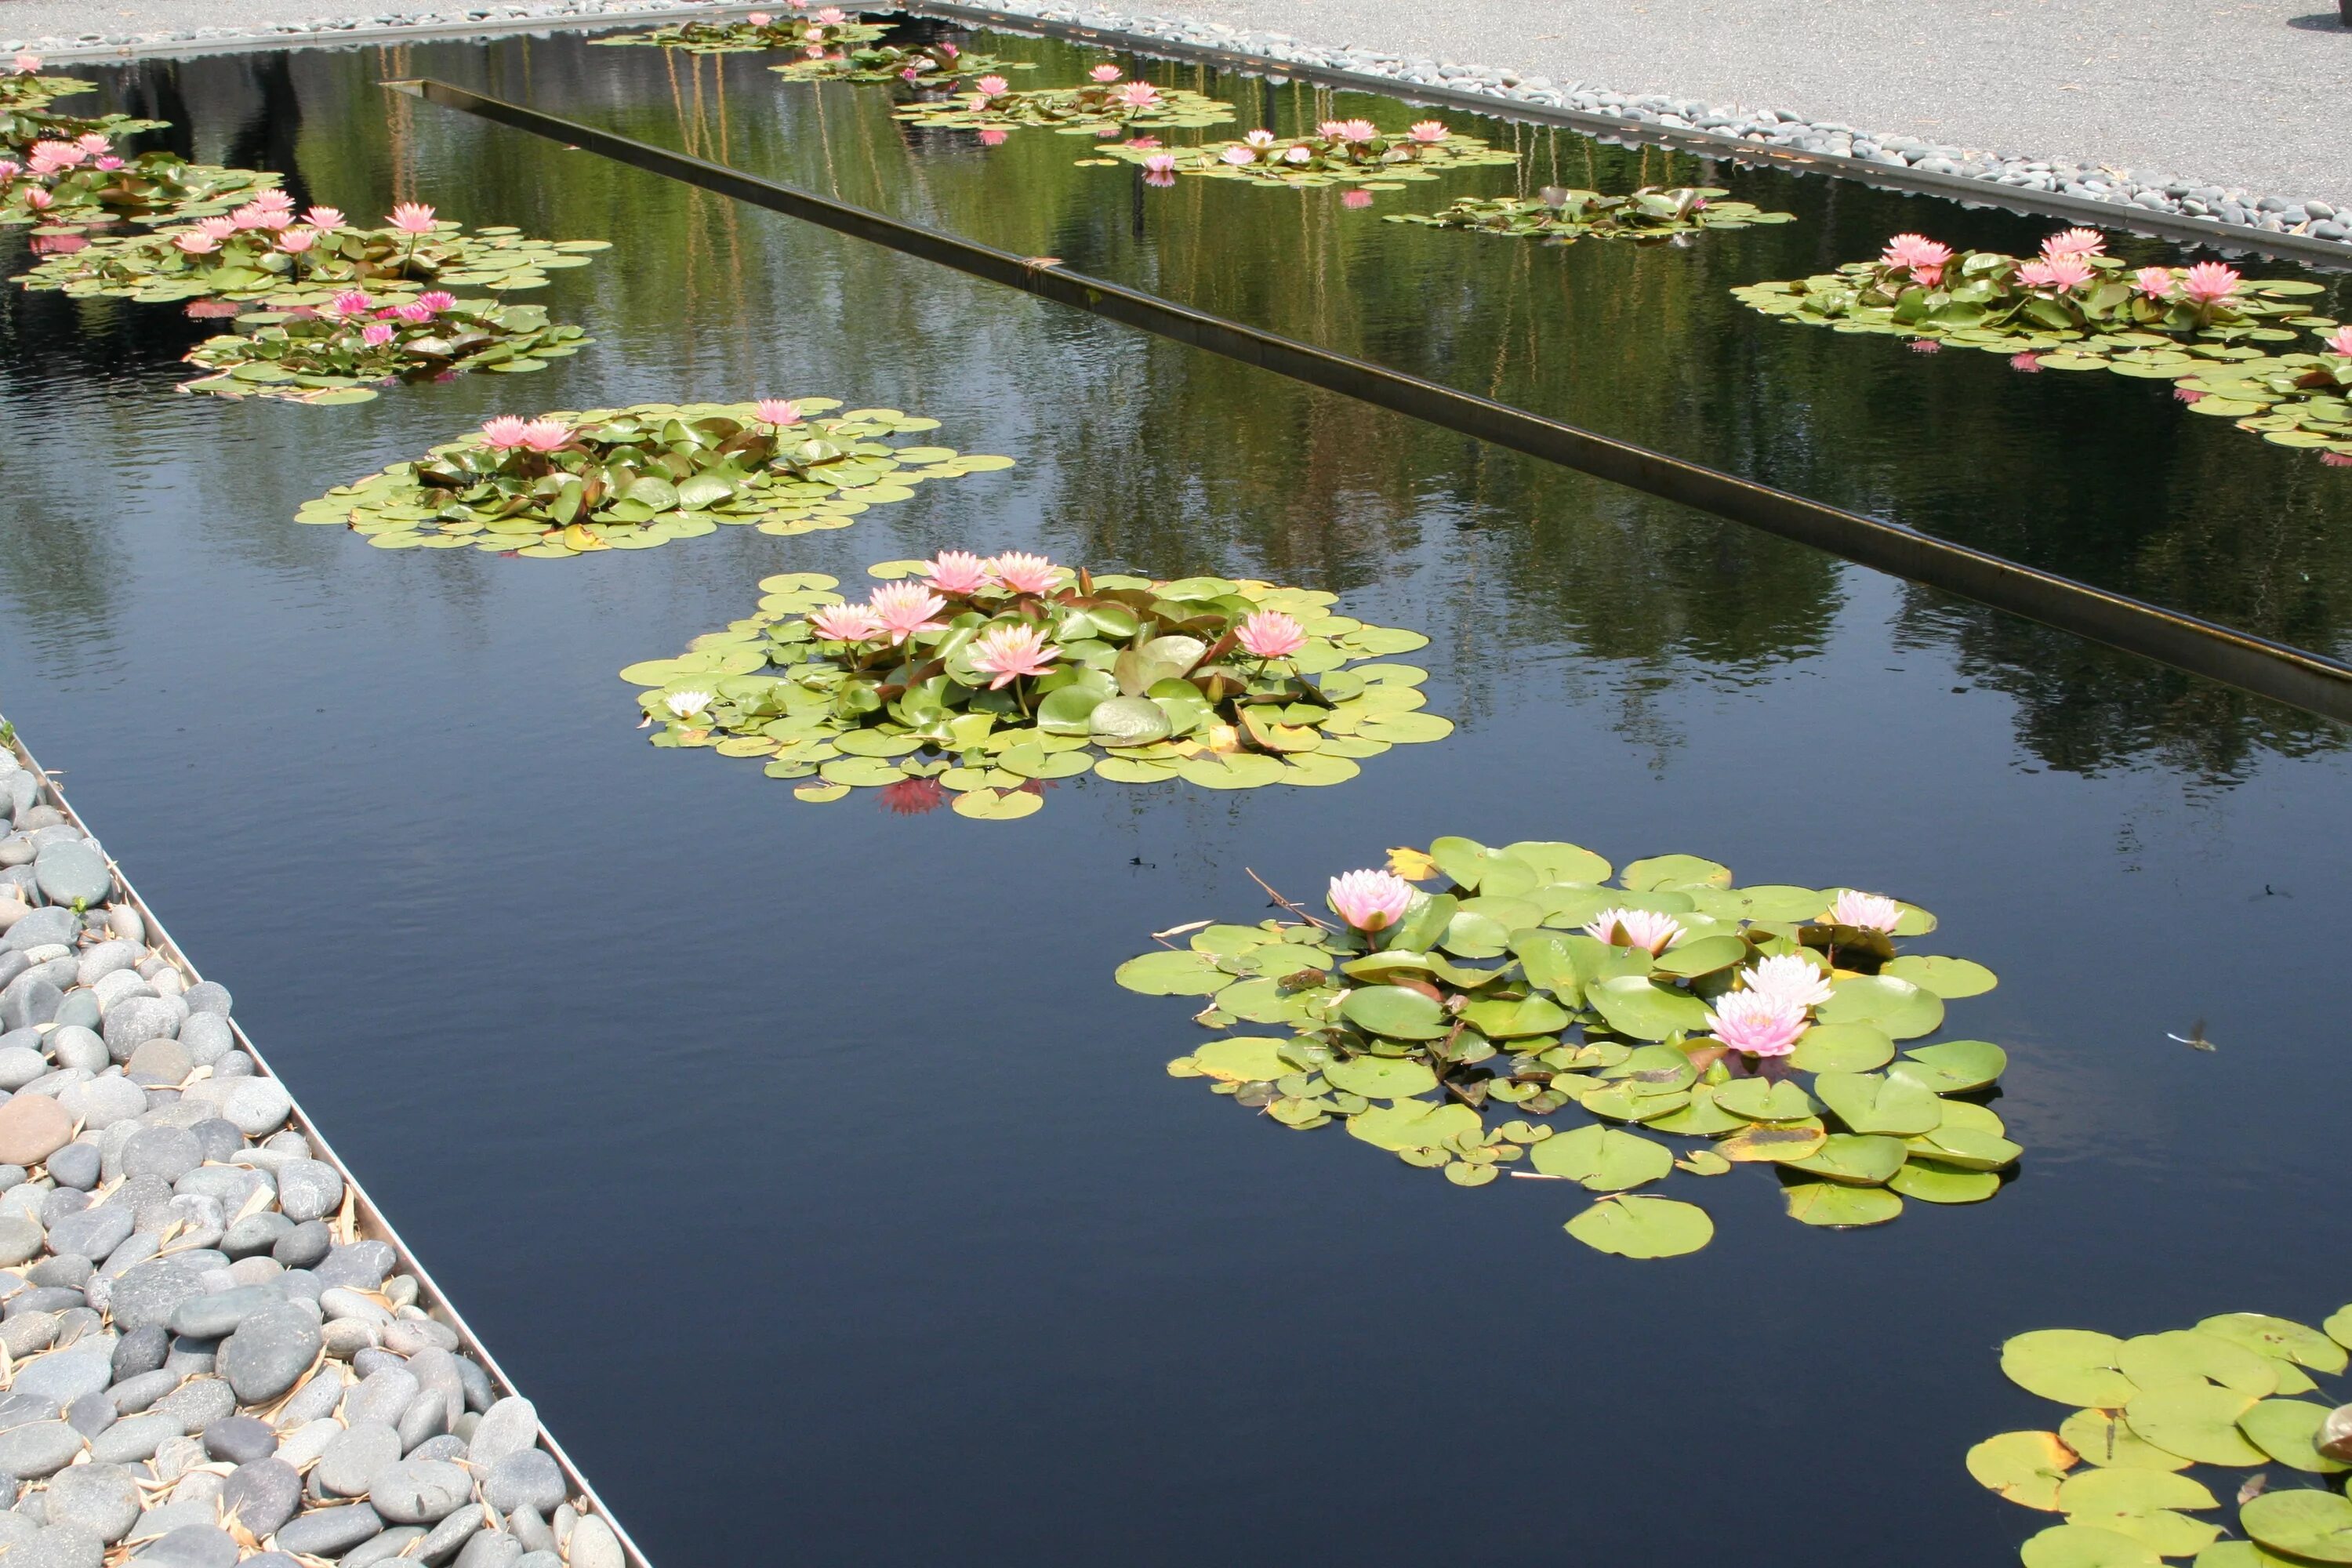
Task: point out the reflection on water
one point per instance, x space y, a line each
750 1119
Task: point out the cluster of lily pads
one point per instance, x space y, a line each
2233 1393
979 680
264 251
25 118
2221 338
84 182
1565 216
1340 152
923 68
813 32
566 483
1105 107
343 353
1694 1023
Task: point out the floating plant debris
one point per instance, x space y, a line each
813 32
924 69
262 251
1695 1026
990 676
2235 1392
2222 338
1648 214
83 182
343 353
1104 107
1340 152
629 479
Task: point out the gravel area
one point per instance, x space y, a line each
207 1360
2118 99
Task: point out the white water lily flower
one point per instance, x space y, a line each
687 704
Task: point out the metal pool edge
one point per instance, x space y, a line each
372 1223
2297 677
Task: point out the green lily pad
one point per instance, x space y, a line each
1395 1012
2023 1466
1242 1058
1836 1204
1643 1227
1173 973
1955 1066
2286 1429
2102 1438
2279 1337
1379 1078
1895 1005
2086 1546
1862 1161
1952 979
2315 1526
2197 1421
2190 1355
1842 1047
1603 1158
1412 1124
1642 1010
1933 1182
2073 1366
1867 1102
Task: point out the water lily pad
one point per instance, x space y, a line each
1242 1058
1412 1124
2086 1546
1859 1160
1895 1005
2102 1438
1603 1158
1955 1066
1867 1102
1643 1227
1835 1205
2196 1421
1174 973
1842 1047
2023 1466
1950 978
1763 1100
2190 1355
1637 1008
1933 1182
2279 1337
1781 1143
2315 1526
1379 1078
2073 1366
2287 1429
1395 1012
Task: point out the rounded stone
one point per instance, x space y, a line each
135 1020
40 1449
166 1153
207 1037
529 1479
133 1439
306 1246
258 1107
101 1498
491 1549
328 1531
198 1402
20 1241
59 1546
353 1461
307 1189
508 1426
593 1545
140 1350
256 1234
221 1139
208 996
420 1492
32 1127
20 1065
162 1061
271 1352
78 1165
210 1317
72 874
103 1102
260 1494
192 1546
65 1375
361 1265
397 1545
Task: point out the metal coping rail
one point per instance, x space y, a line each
2294 676
371 1220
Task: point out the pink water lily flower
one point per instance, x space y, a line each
1914 251
2156 282
412 218
992 86
1024 573
108 163
1430 132
1371 901
913 797
2210 283
2062 272
1358 131
1159 164
503 434
250 215
218 227
1239 157
2340 343
375 334
9 169
956 572
189 242
1328 129
435 300
904 608
1758 1022
93 141
1791 977
1645 929
778 412
326 220
833 16
1011 652
546 434
1138 95
349 302
1261 140
295 241
844 623
2074 242
48 157
1297 155
27 64
274 198
1868 912
1270 633
1105 73
759 18
415 313
38 199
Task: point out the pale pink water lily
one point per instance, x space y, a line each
1758 1022
957 572
1159 164
2340 343
815 51
1239 157
1371 901
1138 95
545 435
412 218
375 334
759 18
686 704
946 51
1914 251
27 64
503 434
1328 129
776 411
1142 143
2210 283
2074 242
1011 652
1926 275
1645 929
2156 282
9 170
844 623
1261 140
218 227
249 217
1105 73
415 313
108 163
326 220
1358 131
295 241
189 242
833 16
349 302
1791 977
1430 132
274 198
1867 911
1270 633
48 157
435 300
93 142
2063 272
1297 155
38 199
1024 573
992 86
904 608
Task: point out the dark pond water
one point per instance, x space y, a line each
804 1163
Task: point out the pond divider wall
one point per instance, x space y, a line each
2294 676
368 1222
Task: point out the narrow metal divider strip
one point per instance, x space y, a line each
2296 677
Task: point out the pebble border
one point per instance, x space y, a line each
207 1324
2153 192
